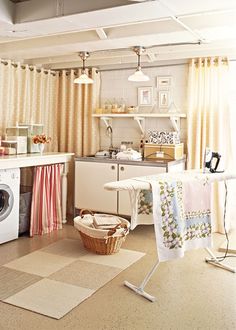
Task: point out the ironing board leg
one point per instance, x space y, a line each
140 290
213 261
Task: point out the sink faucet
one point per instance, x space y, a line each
109 133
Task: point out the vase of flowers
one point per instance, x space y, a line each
40 140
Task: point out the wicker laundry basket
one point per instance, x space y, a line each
101 241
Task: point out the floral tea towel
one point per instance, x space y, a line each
181 214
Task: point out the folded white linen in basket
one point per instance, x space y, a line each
180 208
105 220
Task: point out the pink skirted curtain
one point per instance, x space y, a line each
46 200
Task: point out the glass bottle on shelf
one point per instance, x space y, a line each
122 105
107 106
114 105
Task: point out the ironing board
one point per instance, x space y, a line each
141 183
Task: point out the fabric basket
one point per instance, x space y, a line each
101 241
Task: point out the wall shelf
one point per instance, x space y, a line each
140 118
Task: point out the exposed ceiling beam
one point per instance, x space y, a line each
101 33
151 56
6 12
176 19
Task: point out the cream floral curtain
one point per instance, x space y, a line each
209 123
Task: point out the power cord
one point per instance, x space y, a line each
222 258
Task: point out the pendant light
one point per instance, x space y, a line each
138 75
83 78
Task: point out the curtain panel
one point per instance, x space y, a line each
209 124
46 200
31 95
28 95
78 131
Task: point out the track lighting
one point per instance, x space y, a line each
83 78
138 75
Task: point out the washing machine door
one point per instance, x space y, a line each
6 201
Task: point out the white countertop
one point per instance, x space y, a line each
34 159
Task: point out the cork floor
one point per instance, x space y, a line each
190 293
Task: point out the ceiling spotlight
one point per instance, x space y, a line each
83 78
138 75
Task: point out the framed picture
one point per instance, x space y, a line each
145 96
164 99
164 81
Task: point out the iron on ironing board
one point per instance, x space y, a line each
211 161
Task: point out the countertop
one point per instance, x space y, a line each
34 159
145 162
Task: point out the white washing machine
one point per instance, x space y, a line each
9 204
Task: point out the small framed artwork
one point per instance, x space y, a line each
145 96
164 99
164 81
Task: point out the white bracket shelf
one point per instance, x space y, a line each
140 122
175 121
106 120
140 118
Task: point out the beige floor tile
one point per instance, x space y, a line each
40 263
86 274
122 259
13 281
51 298
67 248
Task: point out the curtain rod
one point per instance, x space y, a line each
143 67
31 68
148 66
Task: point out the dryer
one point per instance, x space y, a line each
9 204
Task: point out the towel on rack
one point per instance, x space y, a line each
180 210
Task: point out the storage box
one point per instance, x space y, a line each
18 135
19 143
16 131
164 151
163 137
7 151
32 130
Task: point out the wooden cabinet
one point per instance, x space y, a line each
90 177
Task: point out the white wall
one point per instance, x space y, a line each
115 85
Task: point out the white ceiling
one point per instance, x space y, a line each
50 33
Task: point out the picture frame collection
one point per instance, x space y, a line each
146 97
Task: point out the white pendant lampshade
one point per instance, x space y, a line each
138 75
83 78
